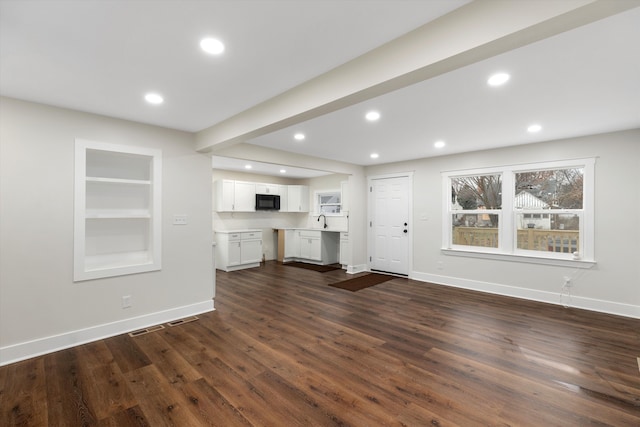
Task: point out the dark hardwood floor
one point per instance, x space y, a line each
285 349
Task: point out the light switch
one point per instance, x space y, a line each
179 220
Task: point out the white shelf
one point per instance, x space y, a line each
118 180
117 210
117 214
117 260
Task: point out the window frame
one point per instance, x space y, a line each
507 225
318 205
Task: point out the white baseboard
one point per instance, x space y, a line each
353 269
26 350
610 307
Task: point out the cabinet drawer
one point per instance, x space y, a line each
234 236
310 234
252 235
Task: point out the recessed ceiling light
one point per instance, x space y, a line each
154 98
498 79
439 144
212 46
374 155
534 128
247 166
299 136
372 116
283 171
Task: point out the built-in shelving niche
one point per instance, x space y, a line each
117 210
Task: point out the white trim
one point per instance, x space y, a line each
26 350
519 257
316 203
602 306
354 269
130 263
519 166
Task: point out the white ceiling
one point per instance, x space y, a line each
580 82
103 56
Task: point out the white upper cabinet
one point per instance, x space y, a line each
240 196
298 198
117 210
225 195
235 196
245 197
268 189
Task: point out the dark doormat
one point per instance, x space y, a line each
314 267
361 282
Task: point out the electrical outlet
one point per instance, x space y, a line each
567 282
179 220
126 301
440 265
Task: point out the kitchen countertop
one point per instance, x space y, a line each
326 230
247 230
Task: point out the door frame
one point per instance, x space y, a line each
370 208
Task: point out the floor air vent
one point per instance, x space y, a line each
181 321
145 330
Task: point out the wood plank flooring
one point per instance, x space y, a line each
285 349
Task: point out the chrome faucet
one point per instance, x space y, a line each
324 220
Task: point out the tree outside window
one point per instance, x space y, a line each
329 202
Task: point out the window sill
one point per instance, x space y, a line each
316 214
521 258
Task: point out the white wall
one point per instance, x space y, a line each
613 285
41 308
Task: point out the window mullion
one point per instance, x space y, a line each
507 224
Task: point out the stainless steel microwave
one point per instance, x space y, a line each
267 202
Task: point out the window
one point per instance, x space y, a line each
545 190
476 210
542 210
328 202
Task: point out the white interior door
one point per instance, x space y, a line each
389 224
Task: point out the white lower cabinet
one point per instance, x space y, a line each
240 249
251 248
345 256
311 245
315 246
291 244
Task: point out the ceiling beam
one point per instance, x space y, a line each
284 158
476 31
